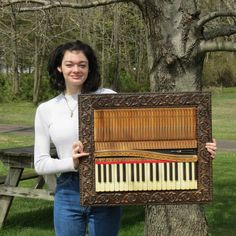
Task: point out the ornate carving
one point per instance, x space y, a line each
89 103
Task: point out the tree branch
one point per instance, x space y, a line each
47 4
227 30
213 46
214 15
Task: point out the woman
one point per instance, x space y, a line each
73 69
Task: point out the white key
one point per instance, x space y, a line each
162 175
110 184
168 183
146 175
121 183
182 182
126 175
115 175
158 185
97 184
187 175
130 182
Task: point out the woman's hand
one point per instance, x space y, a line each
211 148
77 153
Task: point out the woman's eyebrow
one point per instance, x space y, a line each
73 61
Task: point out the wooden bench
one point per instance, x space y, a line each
26 176
17 159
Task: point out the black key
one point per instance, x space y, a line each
157 172
171 171
151 172
110 173
143 173
124 172
165 171
190 171
104 173
176 171
184 170
132 172
99 174
118 172
137 169
195 169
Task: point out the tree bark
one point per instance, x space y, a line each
175 64
40 47
175 220
172 41
116 32
15 73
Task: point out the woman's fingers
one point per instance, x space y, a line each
78 152
211 148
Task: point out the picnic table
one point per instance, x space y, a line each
17 160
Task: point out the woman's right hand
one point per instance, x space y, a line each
77 153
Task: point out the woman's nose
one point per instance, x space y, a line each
75 68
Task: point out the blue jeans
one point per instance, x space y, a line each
72 219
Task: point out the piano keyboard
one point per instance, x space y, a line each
152 175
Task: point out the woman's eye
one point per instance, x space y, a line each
68 65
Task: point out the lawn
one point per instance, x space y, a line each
34 217
224 113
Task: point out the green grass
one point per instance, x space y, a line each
17 113
224 113
221 213
8 140
34 217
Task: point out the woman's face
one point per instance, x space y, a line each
75 69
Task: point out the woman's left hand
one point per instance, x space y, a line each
211 148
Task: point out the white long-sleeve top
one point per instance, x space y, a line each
53 122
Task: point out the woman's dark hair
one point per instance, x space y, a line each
57 80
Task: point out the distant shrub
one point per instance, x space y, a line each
26 87
219 70
5 88
226 78
128 84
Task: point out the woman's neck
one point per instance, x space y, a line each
72 91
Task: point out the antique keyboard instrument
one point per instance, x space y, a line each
145 148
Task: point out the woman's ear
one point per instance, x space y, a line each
59 69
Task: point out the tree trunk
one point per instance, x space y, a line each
37 78
175 220
40 47
175 65
172 44
115 82
15 73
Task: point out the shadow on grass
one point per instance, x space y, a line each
132 215
37 218
221 213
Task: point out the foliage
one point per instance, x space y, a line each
226 78
46 29
5 88
26 87
129 84
219 70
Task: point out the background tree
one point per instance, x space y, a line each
178 40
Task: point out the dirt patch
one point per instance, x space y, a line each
20 129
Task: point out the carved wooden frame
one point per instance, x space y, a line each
89 103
